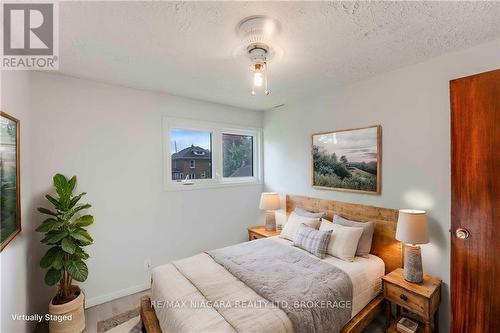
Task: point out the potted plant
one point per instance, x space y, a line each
65 259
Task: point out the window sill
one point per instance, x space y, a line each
211 185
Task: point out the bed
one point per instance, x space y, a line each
199 294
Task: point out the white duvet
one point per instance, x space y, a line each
198 295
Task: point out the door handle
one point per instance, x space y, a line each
462 233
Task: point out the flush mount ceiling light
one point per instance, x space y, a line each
256 33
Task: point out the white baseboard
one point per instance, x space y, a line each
114 295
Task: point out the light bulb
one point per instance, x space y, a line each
258 80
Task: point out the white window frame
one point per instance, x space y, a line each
217 129
193 166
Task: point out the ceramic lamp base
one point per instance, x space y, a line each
413 264
270 220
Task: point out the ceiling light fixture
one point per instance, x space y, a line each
256 32
257 54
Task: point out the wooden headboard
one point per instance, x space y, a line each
384 243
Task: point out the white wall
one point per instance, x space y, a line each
412 105
20 280
111 138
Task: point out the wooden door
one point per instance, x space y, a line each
475 179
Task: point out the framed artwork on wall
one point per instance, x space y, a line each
348 160
10 205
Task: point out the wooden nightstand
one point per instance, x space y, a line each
260 232
421 299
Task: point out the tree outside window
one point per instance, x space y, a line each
237 155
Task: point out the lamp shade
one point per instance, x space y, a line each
269 201
412 226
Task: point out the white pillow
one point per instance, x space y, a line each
344 240
293 223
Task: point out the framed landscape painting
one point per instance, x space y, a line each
10 206
347 160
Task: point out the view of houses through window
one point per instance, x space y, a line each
191 153
210 154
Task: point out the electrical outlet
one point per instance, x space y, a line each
147 264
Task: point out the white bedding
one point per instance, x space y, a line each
209 281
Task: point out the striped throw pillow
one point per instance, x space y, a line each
312 240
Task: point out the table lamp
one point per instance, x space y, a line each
412 230
270 201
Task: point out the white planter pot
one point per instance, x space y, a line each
68 317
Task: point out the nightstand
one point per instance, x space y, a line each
421 299
260 232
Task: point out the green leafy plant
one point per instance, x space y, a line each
66 235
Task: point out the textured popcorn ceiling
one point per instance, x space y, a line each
186 48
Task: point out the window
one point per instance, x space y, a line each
237 155
210 154
187 147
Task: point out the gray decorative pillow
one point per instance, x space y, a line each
365 242
306 213
312 240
